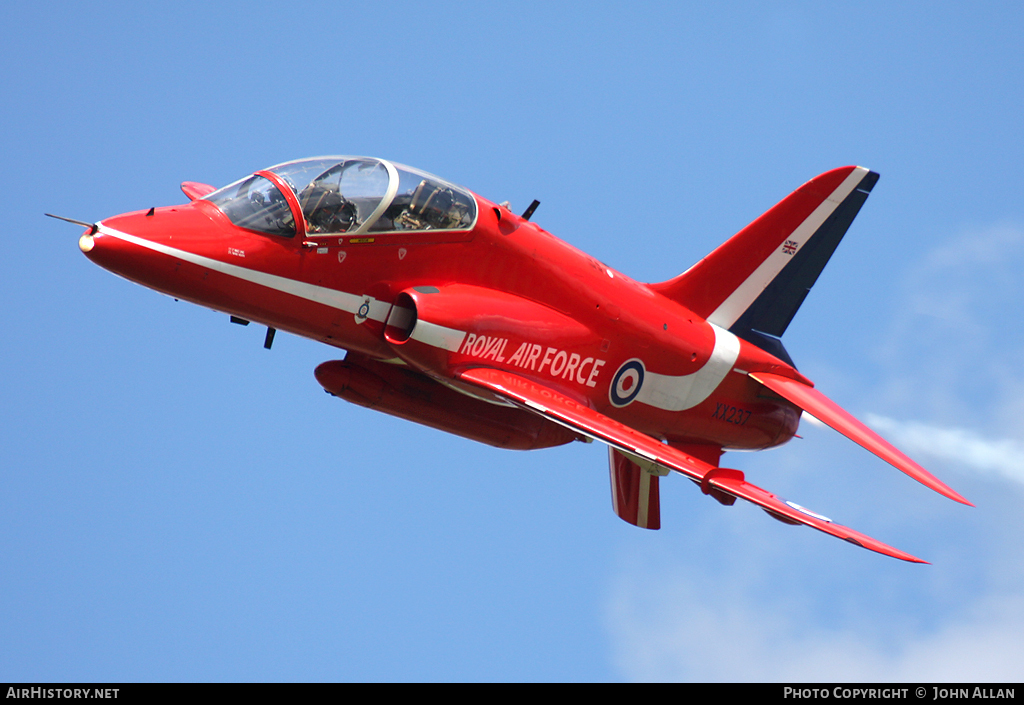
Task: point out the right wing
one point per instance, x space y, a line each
648 452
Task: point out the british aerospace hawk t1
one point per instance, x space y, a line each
457 313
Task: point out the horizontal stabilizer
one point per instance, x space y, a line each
828 412
641 448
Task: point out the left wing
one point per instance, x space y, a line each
645 450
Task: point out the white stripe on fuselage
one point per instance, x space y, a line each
740 300
687 391
671 393
428 333
438 336
341 300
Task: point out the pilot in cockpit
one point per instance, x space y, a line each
325 210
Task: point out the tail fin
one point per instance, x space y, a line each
754 284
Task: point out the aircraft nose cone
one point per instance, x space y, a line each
86 243
114 252
98 247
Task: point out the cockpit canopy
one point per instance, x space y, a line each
352 195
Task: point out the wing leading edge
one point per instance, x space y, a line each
648 452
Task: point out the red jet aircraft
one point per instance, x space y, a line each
458 314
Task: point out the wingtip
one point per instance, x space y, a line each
918 473
886 550
947 491
863 541
903 556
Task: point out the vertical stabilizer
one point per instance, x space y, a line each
754 284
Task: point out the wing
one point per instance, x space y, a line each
646 450
828 412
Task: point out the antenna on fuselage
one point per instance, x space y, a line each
267 341
529 211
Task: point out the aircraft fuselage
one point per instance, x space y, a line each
340 290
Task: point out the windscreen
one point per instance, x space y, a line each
255 203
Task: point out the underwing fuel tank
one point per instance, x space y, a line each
398 391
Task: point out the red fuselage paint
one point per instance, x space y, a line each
526 301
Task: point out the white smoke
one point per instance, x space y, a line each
957 446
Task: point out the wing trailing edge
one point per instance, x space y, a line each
649 454
828 412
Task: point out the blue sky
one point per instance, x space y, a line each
177 503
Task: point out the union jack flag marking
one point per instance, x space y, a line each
789 247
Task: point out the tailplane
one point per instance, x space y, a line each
754 284
827 411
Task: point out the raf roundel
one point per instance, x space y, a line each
626 383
